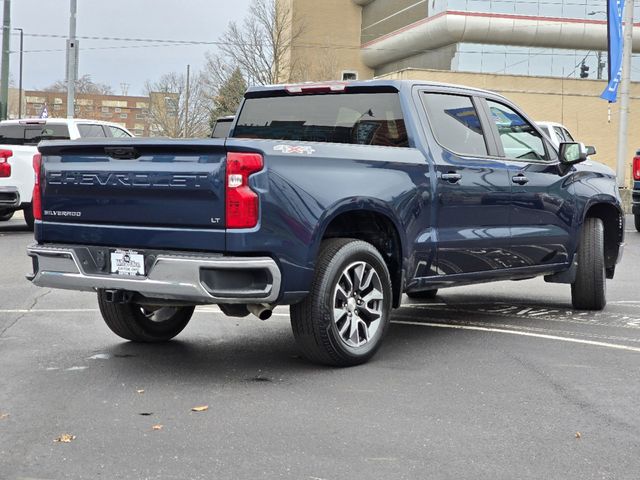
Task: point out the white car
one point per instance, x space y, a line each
18 145
556 132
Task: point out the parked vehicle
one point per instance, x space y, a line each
222 127
335 199
18 140
556 132
635 193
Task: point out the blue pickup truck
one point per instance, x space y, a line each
335 199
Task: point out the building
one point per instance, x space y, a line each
127 111
367 38
532 51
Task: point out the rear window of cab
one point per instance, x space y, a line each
32 134
348 118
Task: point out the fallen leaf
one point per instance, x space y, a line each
578 435
146 414
203 408
140 391
3 416
65 438
157 427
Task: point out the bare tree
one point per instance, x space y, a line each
167 106
262 44
84 84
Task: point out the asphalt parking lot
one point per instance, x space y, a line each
493 381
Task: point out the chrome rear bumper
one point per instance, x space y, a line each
211 279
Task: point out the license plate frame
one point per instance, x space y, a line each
127 263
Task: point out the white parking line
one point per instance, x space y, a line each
53 310
523 334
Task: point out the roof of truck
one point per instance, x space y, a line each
336 86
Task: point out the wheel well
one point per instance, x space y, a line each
612 222
378 230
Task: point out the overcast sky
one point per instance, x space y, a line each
184 20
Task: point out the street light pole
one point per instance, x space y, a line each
20 77
621 164
72 60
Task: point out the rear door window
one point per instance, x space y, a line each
353 118
91 131
32 134
455 123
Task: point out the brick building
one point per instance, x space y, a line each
127 111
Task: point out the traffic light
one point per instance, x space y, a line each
584 70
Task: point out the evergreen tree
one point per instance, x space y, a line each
229 96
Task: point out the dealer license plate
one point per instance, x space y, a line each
127 262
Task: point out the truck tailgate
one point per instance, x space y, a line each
143 193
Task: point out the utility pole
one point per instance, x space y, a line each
601 65
186 104
621 165
20 78
72 60
6 47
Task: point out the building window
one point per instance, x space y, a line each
117 110
348 75
123 115
141 116
57 107
105 109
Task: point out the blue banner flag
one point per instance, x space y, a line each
615 11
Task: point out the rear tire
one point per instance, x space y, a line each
345 317
6 215
28 217
142 324
636 219
589 291
423 295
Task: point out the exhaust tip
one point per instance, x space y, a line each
263 312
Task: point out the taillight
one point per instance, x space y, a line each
36 200
636 168
5 166
242 205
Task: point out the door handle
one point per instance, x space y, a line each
451 177
520 179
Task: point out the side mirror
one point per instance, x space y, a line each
571 153
591 150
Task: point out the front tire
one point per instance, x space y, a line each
636 219
345 317
143 324
589 291
6 215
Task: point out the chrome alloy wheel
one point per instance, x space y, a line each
358 304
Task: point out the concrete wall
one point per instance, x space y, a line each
381 17
327 39
574 103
